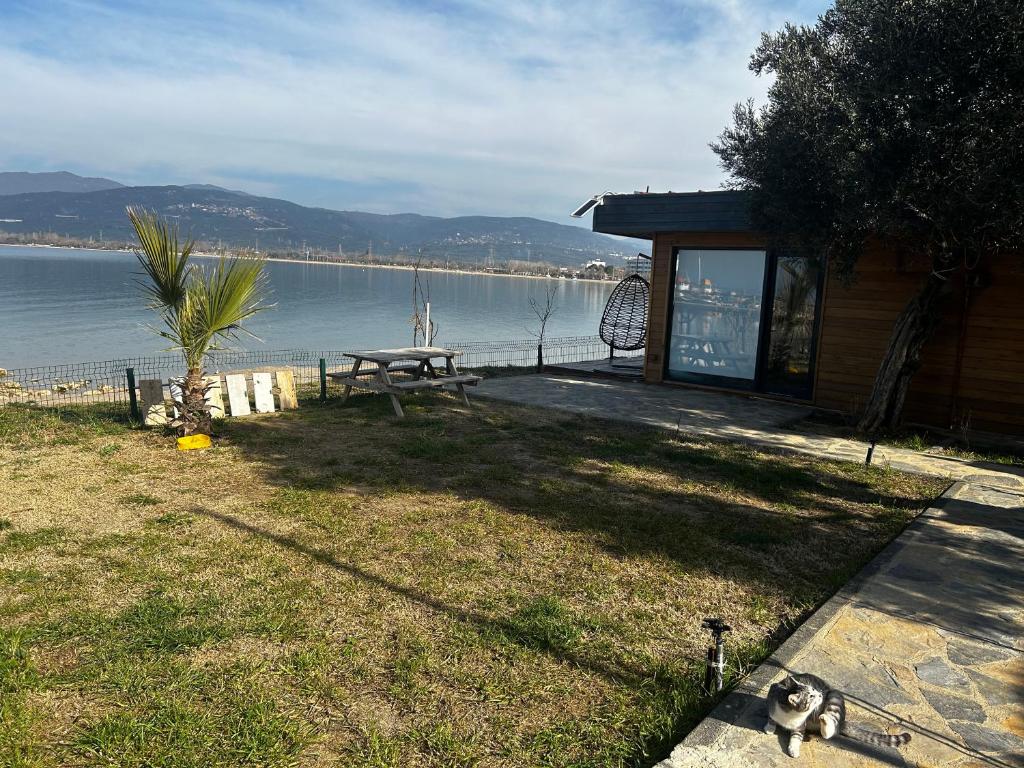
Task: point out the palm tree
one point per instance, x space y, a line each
199 308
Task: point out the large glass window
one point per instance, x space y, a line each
789 362
716 314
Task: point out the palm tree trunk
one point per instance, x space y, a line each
196 415
913 328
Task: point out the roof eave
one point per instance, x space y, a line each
644 215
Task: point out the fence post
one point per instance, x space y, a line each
323 380
132 399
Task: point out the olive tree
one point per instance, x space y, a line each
901 120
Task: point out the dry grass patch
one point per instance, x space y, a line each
490 586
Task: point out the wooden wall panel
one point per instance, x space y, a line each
263 391
857 320
238 394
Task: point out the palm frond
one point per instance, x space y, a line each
164 264
189 326
223 298
235 290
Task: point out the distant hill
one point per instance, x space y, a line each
214 215
20 182
214 188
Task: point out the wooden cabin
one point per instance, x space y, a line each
728 311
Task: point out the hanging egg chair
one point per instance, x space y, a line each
624 321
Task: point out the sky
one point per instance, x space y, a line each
441 107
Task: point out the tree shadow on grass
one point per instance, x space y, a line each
711 507
538 628
525 633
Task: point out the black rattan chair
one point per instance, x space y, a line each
624 321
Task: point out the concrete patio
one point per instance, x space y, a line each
929 638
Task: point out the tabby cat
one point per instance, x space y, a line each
804 702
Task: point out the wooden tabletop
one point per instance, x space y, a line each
404 353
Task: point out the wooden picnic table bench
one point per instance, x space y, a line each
440 381
393 368
416 361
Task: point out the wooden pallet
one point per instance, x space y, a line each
246 392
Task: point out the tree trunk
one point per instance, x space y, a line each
195 416
912 330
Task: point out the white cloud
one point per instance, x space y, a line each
504 109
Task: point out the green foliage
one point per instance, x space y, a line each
17 676
141 500
16 747
900 119
522 608
197 721
16 669
432 446
68 425
28 541
155 624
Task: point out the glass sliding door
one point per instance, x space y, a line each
716 316
789 362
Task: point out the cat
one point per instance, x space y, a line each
805 702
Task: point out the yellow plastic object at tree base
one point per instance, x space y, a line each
193 442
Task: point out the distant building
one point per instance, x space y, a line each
637 265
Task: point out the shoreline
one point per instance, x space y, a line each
282 260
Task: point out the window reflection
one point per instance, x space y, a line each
716 313
789 366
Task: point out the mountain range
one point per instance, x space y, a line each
21 182
77 207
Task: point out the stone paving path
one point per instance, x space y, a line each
929 638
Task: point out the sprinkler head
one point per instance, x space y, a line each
716 626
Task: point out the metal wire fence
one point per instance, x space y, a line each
108 381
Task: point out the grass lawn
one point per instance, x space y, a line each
491 586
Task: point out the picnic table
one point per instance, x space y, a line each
707 351
416 366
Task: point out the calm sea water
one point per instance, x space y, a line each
62 305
